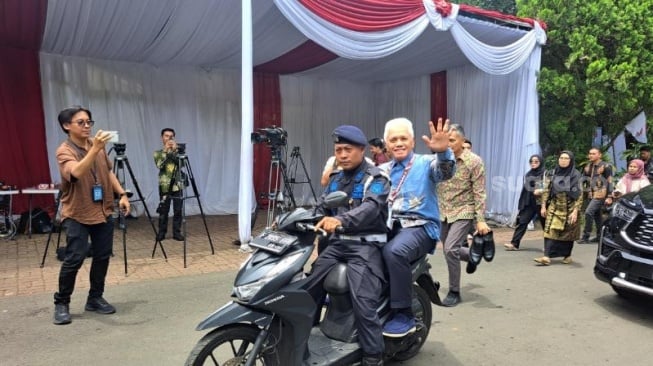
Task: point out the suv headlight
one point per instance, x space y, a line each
624 213
247 291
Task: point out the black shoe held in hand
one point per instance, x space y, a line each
476 250
488 247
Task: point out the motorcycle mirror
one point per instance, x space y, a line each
336 199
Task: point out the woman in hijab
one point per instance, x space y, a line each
561 200
529 201
633 181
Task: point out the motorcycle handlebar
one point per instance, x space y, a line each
310 227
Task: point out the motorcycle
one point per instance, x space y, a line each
270 321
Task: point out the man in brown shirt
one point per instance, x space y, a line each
87 199
461 201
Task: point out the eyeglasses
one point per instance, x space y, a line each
82 123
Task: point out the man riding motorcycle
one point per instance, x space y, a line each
363 227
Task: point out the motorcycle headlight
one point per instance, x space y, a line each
624 213
247 291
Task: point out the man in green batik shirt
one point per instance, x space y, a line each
170 189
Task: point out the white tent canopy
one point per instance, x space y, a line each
144 65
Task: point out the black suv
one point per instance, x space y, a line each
625 251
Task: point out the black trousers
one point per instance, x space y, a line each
164 208
77 248
523 218
365 279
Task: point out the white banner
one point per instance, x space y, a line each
637 127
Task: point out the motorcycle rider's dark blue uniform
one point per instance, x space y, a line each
364 223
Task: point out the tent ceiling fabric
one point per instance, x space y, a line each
206 33
175 63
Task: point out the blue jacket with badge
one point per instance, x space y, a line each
368 188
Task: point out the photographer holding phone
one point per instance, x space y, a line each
88 191
169 188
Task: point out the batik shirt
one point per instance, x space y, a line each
416 203
167 164
463 196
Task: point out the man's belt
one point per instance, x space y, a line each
381 238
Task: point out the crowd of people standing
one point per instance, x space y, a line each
556 199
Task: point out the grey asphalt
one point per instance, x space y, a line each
513 313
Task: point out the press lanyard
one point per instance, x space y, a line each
395 191
83 154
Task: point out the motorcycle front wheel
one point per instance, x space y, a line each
229 347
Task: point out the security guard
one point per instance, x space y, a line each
364 223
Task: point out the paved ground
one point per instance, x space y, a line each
513 312
20 259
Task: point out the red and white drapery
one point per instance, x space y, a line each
371 29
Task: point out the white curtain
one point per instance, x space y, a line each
138 100
500 116
313 107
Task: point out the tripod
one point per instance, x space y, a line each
119 163
279 170
55 224
183 174
295 160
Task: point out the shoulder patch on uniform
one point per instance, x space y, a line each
376 187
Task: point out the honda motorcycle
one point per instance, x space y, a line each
270 320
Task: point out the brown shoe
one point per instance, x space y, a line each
543 261
567 260
510 247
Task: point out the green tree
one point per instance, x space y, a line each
597 68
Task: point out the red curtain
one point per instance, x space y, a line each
303 57
23 152
267 103
438 95
267 112
367 15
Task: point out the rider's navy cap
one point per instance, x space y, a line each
348 134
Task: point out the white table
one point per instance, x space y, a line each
31 192
9 213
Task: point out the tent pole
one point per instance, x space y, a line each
246 186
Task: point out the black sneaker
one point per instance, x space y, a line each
594 240
160 237
61 314
452 299
376 360
583 241
178 237
99 305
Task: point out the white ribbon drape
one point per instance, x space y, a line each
495 60
348 43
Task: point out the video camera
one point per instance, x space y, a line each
274 136
119 148
181 148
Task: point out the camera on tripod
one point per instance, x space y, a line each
119 148
273 136
181 148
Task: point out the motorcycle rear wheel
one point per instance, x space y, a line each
229 347
423 316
